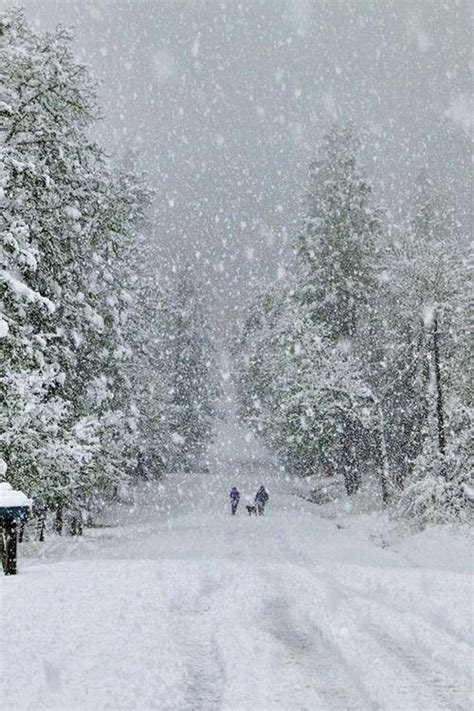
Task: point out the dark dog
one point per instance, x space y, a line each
251 510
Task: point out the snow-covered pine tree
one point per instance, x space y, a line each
191 363
46 104
254 350
336 273
296 386
149 378
67 224
337 245
305 357
115 289
151 382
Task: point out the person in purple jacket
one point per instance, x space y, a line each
234 499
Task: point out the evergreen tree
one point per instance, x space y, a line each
68 223
47 105
337 245
190 360
336 275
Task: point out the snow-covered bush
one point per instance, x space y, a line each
433 496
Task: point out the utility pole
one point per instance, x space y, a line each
439 391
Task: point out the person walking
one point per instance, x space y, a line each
234 499
261 498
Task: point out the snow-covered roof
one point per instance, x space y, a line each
9 497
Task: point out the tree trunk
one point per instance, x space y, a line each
76 525
41 524
439 392
382 447
384 470
59 519
21 531
349 464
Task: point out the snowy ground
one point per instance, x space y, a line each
182 606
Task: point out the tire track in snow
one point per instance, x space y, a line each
323 670
335 674
386 680
460 637
205 678
431 673
194 631
377 672
416 670
398 676
430 676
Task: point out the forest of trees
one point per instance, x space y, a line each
355 368
106 374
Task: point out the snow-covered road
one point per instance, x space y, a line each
183 607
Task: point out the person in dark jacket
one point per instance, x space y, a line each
234 499
261 498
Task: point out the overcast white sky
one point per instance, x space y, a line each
226 101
